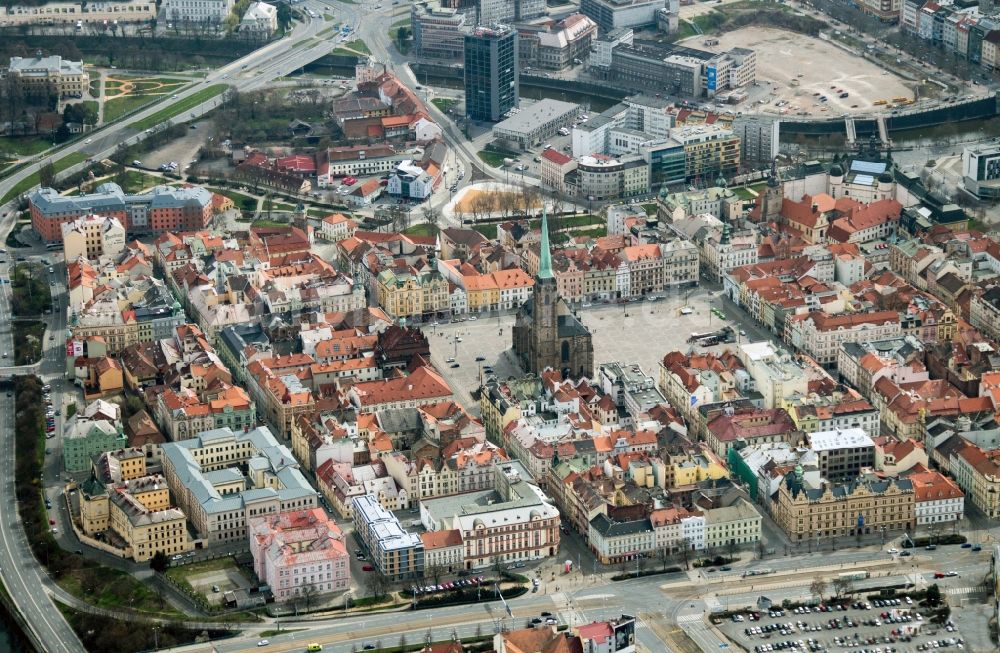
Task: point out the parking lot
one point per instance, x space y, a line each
897 625
800 68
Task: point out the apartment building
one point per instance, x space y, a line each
977 472
423 386
614 541
395 552
92 236
939 500
558 46
411 293
206 477
91 13
733 526
843 453
299 553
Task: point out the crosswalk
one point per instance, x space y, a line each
688 618
959 591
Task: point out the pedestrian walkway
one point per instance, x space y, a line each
959 591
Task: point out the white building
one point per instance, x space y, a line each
981 170
693 530
260 19
532 125
197 12
411 181
938 498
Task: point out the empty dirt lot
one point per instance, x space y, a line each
796 66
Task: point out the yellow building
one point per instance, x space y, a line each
482 292
139 514
412 293
864 506
41 76
691 469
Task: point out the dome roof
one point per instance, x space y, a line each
836 171
885 178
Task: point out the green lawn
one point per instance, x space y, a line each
596 232
403 48
650 209
444 103
136 180
24 145
105 587
745 193
488 230
180 106
358 46
30 293
31 180
422 229
494 159
95 83
263 222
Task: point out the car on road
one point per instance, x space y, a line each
938 574
967 545
952 574
367 568
319 647
368 646
893 551
454 365
977 548
88 141
263 642
905 554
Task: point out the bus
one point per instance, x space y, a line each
854 575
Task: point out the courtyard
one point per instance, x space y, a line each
210 579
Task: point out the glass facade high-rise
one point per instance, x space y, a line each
491 73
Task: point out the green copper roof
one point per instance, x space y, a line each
545 267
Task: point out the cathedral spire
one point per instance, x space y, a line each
545 266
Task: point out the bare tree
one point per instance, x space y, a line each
309 593
434 572
842 586
685 552
402 642
432 214
818 588
663 555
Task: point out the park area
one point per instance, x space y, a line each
491 199
801 68
123 94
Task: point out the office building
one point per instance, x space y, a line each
515 522
90 13
558 46
491 73
531 126
615 14
438 32
981 170
503 12
92 236
843 453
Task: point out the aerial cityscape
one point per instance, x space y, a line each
514 326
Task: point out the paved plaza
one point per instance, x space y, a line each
635 332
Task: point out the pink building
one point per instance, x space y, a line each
298 549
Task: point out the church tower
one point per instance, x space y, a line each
546 304
546 333
773 195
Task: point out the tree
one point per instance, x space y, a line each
159 562
432 214
47 174
818 587
402 642
842 586
309 593
284 16
685 551
663 555
933 595
435 572
497 566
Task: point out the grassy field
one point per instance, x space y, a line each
422 229
31 180
120 106
110 588
444 103
24 145
136 181
393 35
494 159
95 83
180 106
358 46
488 230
